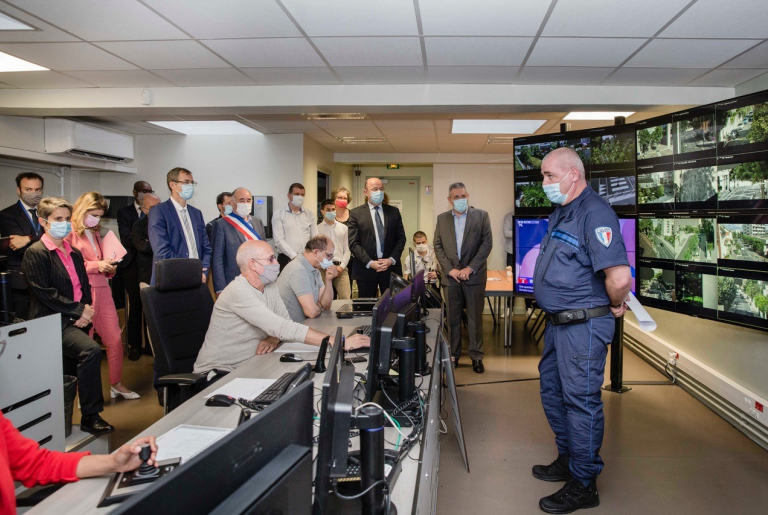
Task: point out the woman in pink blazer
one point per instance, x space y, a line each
86 220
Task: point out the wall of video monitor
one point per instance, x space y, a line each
691 192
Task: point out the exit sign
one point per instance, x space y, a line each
393 167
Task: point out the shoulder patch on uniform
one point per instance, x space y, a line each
604 236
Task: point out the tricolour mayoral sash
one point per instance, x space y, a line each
242 227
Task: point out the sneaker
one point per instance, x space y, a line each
573 496
555 471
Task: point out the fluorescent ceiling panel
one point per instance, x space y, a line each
8 23
596 115
209 128
496 126
8 63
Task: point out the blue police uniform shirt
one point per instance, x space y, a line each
583 239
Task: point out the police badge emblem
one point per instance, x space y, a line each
604 236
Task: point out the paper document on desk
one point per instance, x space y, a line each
643 318
242 387
187 441
296 347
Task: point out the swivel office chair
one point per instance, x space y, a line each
178 311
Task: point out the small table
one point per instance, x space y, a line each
500 286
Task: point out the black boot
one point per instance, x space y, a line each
556 471
573 496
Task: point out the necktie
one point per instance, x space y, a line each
188 230
380 229
141 215
35 223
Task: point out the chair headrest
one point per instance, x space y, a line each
178 274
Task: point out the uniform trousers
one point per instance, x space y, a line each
106 323
571 373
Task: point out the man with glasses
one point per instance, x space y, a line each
250 318
129 267
301 286
176 229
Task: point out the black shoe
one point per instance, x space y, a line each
573 496
555 471
477 366
95 425
134 353
455 362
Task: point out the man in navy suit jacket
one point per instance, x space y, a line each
176 229
228 233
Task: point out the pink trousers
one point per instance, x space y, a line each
106 323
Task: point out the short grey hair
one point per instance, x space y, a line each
567 159
456 186
319 242
234 191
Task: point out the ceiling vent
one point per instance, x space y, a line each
357 140
336 116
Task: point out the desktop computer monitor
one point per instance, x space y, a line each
397 283
419 288
380 312
263 466
335 421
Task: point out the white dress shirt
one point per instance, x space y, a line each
339 235
191 243
292 231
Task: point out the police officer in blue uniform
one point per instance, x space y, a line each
581 281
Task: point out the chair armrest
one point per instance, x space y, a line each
181 379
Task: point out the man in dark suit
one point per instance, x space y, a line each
224 206
126 218
229 232
140 239
176 229
376 239
463 241
19 221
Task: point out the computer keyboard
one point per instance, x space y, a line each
268 396
364 329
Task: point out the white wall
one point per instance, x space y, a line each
317 157
75 183
490 188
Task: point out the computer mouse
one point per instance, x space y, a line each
291 358
220 400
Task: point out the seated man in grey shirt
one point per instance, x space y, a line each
300 283
250 318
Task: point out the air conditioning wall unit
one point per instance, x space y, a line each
85 141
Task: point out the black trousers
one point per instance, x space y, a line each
472 298
78 346
135 327
368 288
20 299
283 260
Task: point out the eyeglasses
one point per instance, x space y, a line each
327 256
186 182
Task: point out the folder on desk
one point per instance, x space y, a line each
112 248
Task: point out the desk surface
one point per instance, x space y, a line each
498 283
83 496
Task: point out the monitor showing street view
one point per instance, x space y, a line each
696 290
743 124
742 181
617 187
742 297
656 190
612 150
742 242
695 186
529 156
695 240
694 133
654 141
657 238
529 195
657 284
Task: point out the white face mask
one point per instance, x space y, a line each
243 209
422 248
298 200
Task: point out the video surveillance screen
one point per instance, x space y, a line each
654 141
618 187
696 289
695 184
694 133
742 124
529 194
612 148
657 238
695 240
657 284
655 188
528 235
742 242
529 152
742 181
742 297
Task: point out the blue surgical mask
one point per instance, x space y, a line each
59 230
187 191
227 209
460 205
330 215
552 191
377 197
326 263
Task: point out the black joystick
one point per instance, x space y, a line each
146 470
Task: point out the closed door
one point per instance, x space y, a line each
404 195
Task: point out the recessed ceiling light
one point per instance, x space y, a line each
358 140
500 140
336 116
596 115
8 63
228 127
8 23
496 126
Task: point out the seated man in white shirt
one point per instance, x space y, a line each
339 235
250 318
425 259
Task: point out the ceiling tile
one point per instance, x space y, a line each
653 76
354 18
105 20
165 55
41 80
323 138
46 32
341 128
206 19
471 74
370 51
719 19
296 76
405 135
205 78
287 127
477 51
393 125
688 53
66 56
482 17
562 75
727 78
276 52
755 58
598 52
609 18
381 75
122 79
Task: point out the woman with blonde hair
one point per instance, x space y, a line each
86 224
342 198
